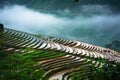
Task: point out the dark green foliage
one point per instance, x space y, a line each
22 65
42 55
15 67
108 71
1 27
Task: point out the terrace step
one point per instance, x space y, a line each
22 39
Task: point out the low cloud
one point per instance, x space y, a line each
97 29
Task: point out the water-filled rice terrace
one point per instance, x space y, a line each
27 56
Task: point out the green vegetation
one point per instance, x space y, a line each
26 63
42 55
22 65
108 71
14 67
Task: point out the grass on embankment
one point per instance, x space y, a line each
21 66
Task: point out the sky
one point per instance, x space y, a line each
93 24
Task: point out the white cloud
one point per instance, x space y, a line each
94 28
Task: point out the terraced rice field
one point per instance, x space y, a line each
58 58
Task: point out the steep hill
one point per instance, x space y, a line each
33 57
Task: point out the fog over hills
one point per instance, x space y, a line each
54 5
95 23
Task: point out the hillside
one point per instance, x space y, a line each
33 57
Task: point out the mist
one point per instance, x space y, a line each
100 27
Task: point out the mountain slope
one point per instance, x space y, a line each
43 57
